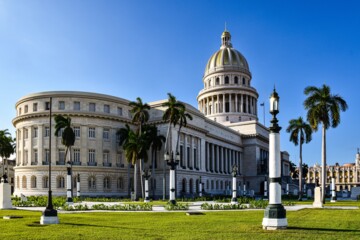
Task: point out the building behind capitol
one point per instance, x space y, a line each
224 131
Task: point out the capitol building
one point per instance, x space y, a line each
224 131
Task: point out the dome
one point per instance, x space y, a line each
227 58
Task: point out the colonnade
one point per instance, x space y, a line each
190 154
228 102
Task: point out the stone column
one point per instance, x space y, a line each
223 110
230 105
236 103
241 103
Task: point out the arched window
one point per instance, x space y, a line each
17 182
209 83
236 80
120 183
217 81
33 181
24 184
226 80
183 185
92 183
45 182
60 182
107 183
191 186
243 81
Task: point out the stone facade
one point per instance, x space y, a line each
346 176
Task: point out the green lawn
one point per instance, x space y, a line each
303 224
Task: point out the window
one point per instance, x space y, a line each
120 183
45 182
236 80
35 132
26 109
92 182
61 156
92 107
106 156
35 156
106 134
195 158
33 182
47 105
107 183
76 155
60 182
26 134
24 184
91 132
106 108
61 105
91 155
26 157
217 81
119 111
243 80
47 131
226 80
76 106
60 132
19 111
77 131
35 107
119 162
47 156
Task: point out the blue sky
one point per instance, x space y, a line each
148 48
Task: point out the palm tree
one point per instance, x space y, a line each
67 138
155 142
181 120
123 134
300 131
140 117
171 115
323 108
7 147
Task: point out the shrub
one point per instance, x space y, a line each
177 206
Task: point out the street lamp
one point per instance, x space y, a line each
200 187
69 199
275 213
50 214
265 188
233 173
146 174
172 163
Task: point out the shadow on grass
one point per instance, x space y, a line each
324 229
36 224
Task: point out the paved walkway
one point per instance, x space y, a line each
195 206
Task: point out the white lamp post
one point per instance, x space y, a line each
78 186
200 187
172 163
69 199
146 174
234 172
333 190
275 213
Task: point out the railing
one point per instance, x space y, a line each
34 163
45 163
120 165
92 163
107 164
60 162
76 163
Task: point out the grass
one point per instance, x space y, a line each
303 224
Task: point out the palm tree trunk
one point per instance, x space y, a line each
135 181
300 173
141 177
71 172
153 155
164 164
323 162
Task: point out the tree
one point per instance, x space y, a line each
67 137
182 121
7 147
323 108
300 132
155 142
171 115
140 117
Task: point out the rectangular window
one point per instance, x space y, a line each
26 157
26 134
91 132
47 131
92 107
47 155
106 156
35 155
77 131
119 160
60 132
106 108
26 109
61 156
35 107
92 155
61 105
76 106
47 105
106 134
76 155
119 111
195 158
188 157
35 132
19 111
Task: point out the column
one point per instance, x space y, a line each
212 157
241 103
212 105
230 105
185 158
236 103
207 106
218 104
223 110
